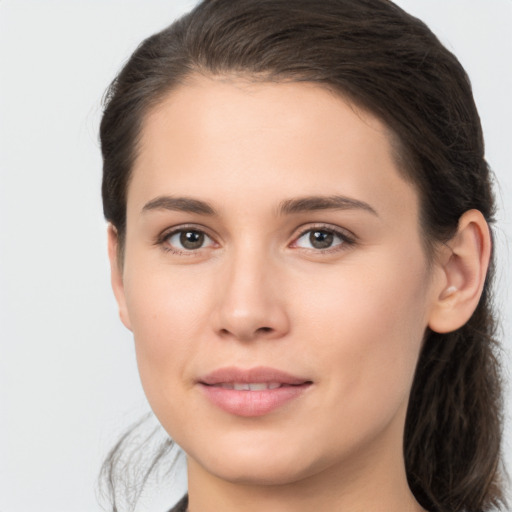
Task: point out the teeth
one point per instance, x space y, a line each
250 386
258 387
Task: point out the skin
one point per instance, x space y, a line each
351 318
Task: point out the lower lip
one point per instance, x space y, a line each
252 403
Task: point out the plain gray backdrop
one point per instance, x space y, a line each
68 379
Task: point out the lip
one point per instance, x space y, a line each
249 403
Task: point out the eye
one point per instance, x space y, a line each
322 239
187 240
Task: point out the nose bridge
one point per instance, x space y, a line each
249 304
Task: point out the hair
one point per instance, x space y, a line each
389 63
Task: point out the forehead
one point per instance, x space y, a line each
212 137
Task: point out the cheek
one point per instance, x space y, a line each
367 330
168 314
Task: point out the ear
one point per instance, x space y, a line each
464 266
116 275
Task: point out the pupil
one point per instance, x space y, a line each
321 239
191 239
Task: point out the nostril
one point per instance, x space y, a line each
248 334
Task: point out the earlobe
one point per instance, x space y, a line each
464 269
116 274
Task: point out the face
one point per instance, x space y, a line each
274 279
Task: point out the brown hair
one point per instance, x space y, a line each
391 64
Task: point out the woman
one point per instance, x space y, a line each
299 211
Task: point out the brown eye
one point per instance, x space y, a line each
191 239
188 240
321 239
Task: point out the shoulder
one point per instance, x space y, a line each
181 506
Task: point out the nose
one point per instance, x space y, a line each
251 304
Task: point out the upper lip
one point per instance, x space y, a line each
258 374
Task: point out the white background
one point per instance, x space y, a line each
68 380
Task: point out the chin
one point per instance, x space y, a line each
272 472
259 463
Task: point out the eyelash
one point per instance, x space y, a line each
346 239
162 240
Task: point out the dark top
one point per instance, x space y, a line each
181 506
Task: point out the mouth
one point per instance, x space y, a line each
250 386
260 375
253 392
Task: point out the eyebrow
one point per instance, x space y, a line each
313 203
180 204
287 207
